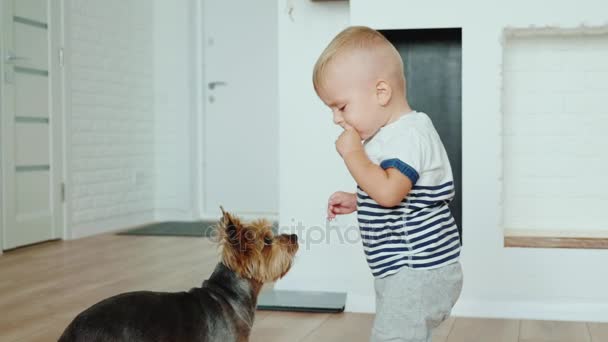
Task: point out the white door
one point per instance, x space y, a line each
31 122
240 133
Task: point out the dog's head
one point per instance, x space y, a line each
252 251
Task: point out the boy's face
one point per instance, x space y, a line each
351 95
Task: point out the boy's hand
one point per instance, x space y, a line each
349 141
341 203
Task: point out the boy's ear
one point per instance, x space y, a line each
383 92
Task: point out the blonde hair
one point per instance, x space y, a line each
351 38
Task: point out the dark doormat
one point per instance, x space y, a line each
175 228
179 228
303 301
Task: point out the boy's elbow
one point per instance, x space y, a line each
389 200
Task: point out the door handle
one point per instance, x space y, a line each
212 85
11 57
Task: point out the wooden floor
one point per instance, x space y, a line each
43 287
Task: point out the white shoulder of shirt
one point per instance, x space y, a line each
415 121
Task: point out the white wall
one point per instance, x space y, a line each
499 282
310 168
111 114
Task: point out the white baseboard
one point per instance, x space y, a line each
360 303
552 311
112 225
580 311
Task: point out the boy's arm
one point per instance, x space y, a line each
387 187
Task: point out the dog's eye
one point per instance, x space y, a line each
267 241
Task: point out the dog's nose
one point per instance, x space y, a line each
293 238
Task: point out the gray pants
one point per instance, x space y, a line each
411 303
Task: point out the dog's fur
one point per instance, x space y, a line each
222 309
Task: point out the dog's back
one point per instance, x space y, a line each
152 316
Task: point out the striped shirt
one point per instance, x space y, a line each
420 232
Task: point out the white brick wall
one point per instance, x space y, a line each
112 108
554 131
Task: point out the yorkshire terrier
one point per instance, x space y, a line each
222 309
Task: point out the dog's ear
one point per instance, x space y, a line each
229 224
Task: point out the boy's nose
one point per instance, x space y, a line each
338 119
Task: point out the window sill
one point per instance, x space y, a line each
555 239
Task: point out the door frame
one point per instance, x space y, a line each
198 109
57 33
66 113
2 67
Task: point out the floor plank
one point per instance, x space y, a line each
286 326
598 331
352 327
484 330
554 331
